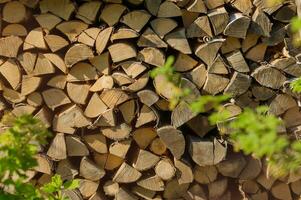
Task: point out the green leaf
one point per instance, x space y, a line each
71 185
295 24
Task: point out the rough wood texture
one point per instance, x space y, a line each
82 67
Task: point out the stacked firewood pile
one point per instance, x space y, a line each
82 67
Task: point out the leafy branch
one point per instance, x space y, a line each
19 143
252 131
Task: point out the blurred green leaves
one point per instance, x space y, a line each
19 143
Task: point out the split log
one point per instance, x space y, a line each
104 82
158 147
281 191
88 11
145 116
95 102
184 172
237 62
87 188
207 51
111 13
252 169
75 147
238 84
35 39
197 6
57 61
11 73
44 164
153 183
58 81
165 169
55 98
163 26
206 174
111 188
120 148
153 6
72 29
57 149
214 150
145 160
101 62
144 136
136 20
215 84
169 9
69 119
128 111
151 39
124 194
102 39
97 142
122 51
219 19
237 26
230 44
148 97
143 193
261 24
174 190
198 75
108 161
152 56
269 77
232 165
90 170
10 46
62 9
66 170
55 42
82 72
47 21
76 53
117 133
123 33
218 188
14 29
173 139
281 103
177 40
126 174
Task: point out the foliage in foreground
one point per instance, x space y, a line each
19 144
254 132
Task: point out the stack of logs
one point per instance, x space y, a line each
82 67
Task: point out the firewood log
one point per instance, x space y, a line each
169 9
62 9
14 29
72 29
153 183
47 20
165 169
90 170
75 147
10 46
136 20
111 13
102 39
158 147
14 12
126 174
57 149
144 136
120 148
173 139
144 160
